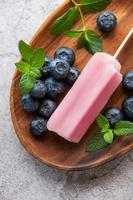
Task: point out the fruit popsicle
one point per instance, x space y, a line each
85 100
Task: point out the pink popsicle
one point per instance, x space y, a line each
85 100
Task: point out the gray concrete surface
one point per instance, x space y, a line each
21 176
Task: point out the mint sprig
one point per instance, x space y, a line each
106 135
88 39
30 66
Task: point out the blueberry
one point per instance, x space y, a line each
54 88
59 69
47 108
73 75
38 126
45 70
106 21
128 81
65 53
114 115
30 104
39 90
128 107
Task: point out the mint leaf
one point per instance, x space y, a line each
90 41
109 136
22 67
37 59
25 50
102 122
94 5
35 73
26 83
124 124
93 42
81 42
123 128
30 68
74 33
65 22
96 143
123 131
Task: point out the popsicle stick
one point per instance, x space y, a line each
129 35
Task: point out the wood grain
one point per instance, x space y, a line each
53 150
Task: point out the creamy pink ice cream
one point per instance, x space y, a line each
85 100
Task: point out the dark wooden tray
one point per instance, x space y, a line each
53 150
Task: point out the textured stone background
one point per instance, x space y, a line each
21 176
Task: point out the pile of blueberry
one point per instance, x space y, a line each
55 74
114 115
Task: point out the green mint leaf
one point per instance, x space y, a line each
25 50
74 33
65 22
103 123
26 83
96 143
81 42
109 136
123 128
93 42
37 59
34 72
90 41
123 131
94 5
124 124
23 67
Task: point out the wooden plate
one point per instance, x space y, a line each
53 150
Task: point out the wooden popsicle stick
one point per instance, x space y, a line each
129 35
